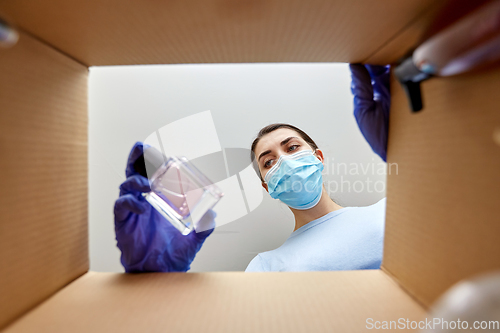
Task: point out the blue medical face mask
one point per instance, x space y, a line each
296 180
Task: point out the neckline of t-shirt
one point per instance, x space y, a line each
319 220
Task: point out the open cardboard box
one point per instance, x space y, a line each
442 222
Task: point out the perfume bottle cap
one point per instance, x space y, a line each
147 164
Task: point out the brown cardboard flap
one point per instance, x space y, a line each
118 32
408 38
222 302
443 209
43 179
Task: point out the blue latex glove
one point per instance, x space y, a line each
148 242
372 101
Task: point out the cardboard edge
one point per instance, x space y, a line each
40 303
37 43
410 35
26 32
395 280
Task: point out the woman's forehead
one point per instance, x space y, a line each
274 138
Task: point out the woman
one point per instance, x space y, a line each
326 236
289 163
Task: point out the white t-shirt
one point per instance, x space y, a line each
346 239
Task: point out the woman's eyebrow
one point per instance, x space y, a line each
263 154
284 142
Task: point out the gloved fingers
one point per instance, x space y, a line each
361 85
377 70
381 84
135 184
373 123
205 226
127 204
136 151
359 73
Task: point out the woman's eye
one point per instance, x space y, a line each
293 147
268 163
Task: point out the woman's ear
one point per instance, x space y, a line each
264 185
319 155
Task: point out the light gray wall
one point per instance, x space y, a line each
126 104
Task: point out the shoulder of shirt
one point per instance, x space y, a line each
376 206
381 202
256 264
260 263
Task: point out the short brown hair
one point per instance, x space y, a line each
273 127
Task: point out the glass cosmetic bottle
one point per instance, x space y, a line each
179 191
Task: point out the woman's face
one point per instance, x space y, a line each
283 141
